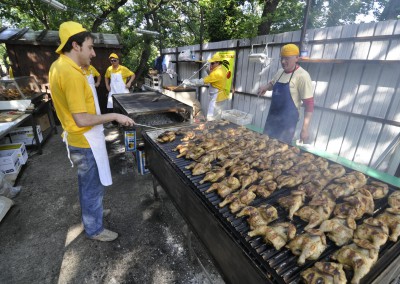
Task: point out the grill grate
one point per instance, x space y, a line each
283 263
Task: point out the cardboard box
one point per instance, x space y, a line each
25 135
19 148
9 162
141 161
130 140
43 121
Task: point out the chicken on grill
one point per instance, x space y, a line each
288 180
258 216
292 202
208 158
394 200
308 245
359 256
391 217
263 190
324 273
200 169
167 136
238 200
355 179
213 176
317 211
356 205
277 234
267 175
225 187
340 230
374 231
378 189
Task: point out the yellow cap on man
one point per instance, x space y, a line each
290 50
215 58
68 29
113 55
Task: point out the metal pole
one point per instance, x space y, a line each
305 20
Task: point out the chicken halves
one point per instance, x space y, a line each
292 202
324 272
308 245
391 217
258 216
359 256
340 230
277 234
373 230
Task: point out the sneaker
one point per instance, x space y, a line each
106 212
105 236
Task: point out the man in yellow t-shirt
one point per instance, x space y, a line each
83 133
218 95
118 79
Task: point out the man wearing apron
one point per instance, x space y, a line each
116 79
90 72
83 126
290 86
218 95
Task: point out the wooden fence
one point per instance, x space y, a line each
355 73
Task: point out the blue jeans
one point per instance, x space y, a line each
91 191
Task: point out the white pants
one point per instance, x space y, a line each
217 111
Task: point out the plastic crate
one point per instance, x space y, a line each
237 116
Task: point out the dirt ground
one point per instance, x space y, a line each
41 238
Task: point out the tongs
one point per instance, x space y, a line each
144 125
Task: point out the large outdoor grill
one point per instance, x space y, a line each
152 109
240 258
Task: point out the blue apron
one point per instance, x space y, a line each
283 114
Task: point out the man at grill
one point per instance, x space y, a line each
83 132
118 79
290 86
218 95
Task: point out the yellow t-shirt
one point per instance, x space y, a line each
300 84
125 72
91 70
71 93
217 79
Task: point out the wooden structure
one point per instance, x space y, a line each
32 52
356 80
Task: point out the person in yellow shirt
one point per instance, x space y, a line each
118 79
91 73
83 132
218 95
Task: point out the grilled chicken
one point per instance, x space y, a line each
263 190
391 217
200 169
288 180
213 176
373 230
324 272
308 245
208 158
267 175
302 170
250 177
292 202
394 200
340 230
317 211
167 136
321 163
338 190
378 189
359 256
193 153
356 205
277 234
355 179
258 216
225 187
238 200
189 135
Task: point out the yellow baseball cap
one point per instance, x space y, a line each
215 58
113 55
68 29
290 50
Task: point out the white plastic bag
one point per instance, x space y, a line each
6 189
185 55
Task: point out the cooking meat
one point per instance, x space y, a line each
263 190
292 202
167 136
213 176
356 205
267 175
378 189
340 230
308 245
288 180
324 272
359 256
238 200
338 190
258 216
394 200
355 179
373 230
208 158
277 234
317 211
200 169
391 217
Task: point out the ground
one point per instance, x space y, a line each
41 238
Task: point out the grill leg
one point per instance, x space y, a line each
155 185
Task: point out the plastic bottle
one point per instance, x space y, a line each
304 47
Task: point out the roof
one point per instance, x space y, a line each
47 37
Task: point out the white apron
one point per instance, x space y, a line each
117 86
213 99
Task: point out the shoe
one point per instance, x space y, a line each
106 212
105 236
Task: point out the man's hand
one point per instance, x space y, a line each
304 135
97 85
124 120
263 89
108 88
187 82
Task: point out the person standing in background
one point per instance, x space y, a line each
218 95
118 79
83 132
90 72
290 86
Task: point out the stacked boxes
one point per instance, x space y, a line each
9 162
25 135
19 148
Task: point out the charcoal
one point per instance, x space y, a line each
157 119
